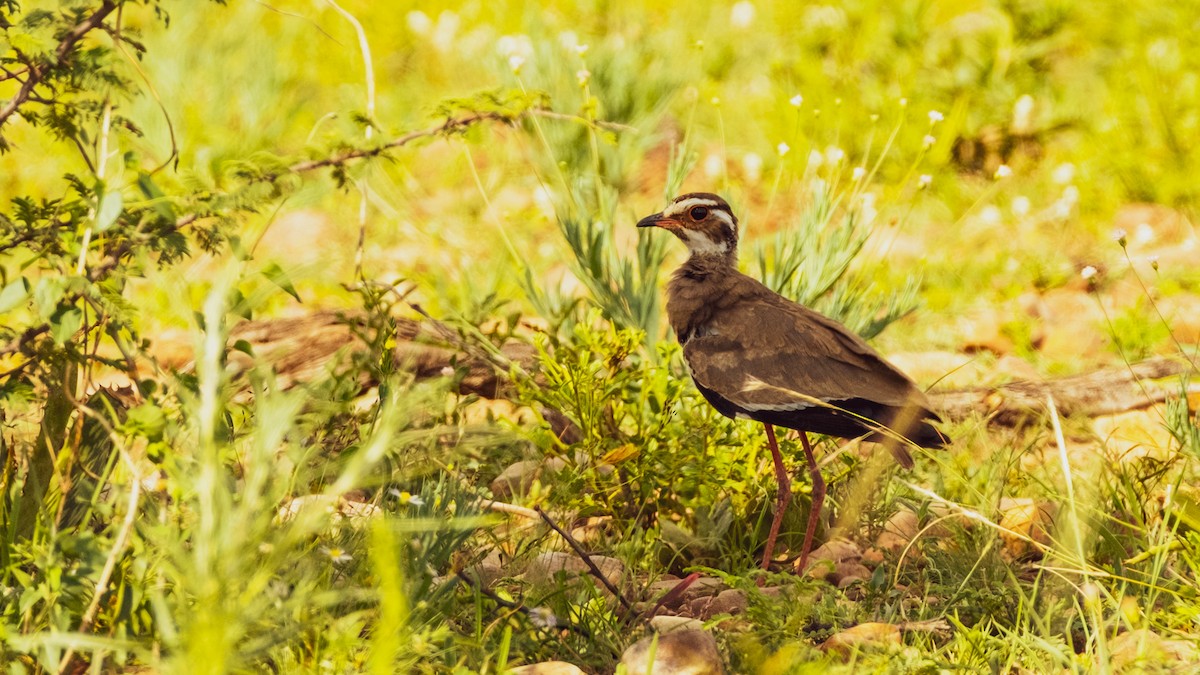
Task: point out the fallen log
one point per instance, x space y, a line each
1102 392
302 348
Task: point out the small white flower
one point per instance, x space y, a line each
714 165
836 155
929 140
581 50
1153 260
583 75
782 148
858 173
903 102
1003 171
1119 235
447 371
543 617
1087 272
405 497
935 117
796 101
815 159
716 100
515 62
991 215
742 14
924 181
337 555
1020 205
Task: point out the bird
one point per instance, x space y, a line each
755 354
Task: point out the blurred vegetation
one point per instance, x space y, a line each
176 168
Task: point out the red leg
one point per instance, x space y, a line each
785 495
818 499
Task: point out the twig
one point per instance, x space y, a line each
587 560
38 71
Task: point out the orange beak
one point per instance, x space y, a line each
657 220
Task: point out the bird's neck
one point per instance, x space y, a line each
705 263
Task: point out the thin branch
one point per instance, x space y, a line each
587 560
39 71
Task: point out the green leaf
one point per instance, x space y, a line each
65 323
14 294
280 278
47 293
158 199
108 210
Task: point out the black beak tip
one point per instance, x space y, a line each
650 221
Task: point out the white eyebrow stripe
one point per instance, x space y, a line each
679 207
723 215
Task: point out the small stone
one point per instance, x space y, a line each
518 477
702 587
1135 434
732 601
548 668
1135 650
872 557
1025 519
542 570
873 636
836 550
669 624
849 572
683 652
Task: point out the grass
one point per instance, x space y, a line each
205 505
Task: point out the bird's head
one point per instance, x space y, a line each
701 220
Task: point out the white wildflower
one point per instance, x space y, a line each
1003 171
337 555
858 173
1020 205
935 117
796 101
924 181
782 149
929 140
543 617
1087 272
515 62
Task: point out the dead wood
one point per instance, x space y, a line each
302 348
1101 392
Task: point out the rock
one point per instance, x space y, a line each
683 652
1144 651
543 569
668 624
486 571
548 668
702 587
862 637
519 476
984 331
1011 368
1135 434
732 601
822 562
1073 326
872 557
898 531
946 368
847 573
337 508
1027 517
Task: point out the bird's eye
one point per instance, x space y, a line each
698 213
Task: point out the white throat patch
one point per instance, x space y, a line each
699 243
